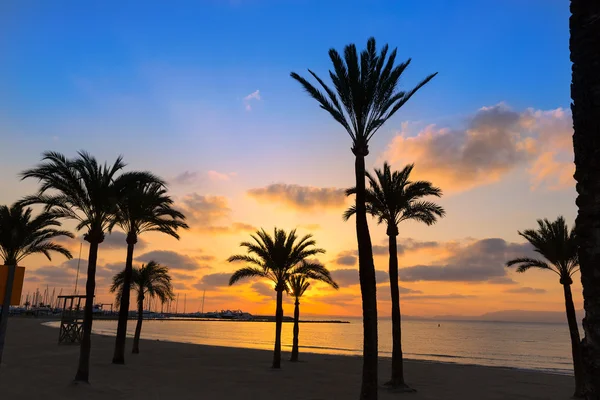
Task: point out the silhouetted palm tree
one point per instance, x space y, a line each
297 285
584 25
393 198
558 246
277 258
21 236
83 190
366 95
145 207
151 280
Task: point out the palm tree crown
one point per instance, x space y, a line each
145 206
366 94
556 243
21 235
151 279
393 198
279 257
81 189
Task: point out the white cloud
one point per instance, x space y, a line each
218 176
252 97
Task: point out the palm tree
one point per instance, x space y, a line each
584 25
152 280
83 190
366 95
21 236
297 285
558 246
277 258
393 198
145 207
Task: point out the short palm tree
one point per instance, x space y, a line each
151 280
393 198
366 95
558 246
22 235
145 207
88 192
584 27
277 258
297 285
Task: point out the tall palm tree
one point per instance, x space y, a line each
366 95
393 198
83 190
297 285
558 245
277 258
584 25
145 207
151 280
22 235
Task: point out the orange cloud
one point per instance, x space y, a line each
495 141
304 198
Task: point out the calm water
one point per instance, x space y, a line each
519 345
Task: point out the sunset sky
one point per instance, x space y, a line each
199 93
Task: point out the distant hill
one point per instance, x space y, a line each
507 316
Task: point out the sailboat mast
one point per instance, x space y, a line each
203 295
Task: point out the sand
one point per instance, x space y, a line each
36 367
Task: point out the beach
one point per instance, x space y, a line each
36 367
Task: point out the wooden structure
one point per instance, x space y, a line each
71 321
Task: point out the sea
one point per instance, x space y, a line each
528 346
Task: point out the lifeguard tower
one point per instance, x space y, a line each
71 321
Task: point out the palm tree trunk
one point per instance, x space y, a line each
296 330
278 323
83 370
119 355
584 25
575 341
6 306
138 326
368 288
397 362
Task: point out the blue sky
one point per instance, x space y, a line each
201 86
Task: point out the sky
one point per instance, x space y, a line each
200 94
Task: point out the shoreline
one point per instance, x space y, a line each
307 350
36 367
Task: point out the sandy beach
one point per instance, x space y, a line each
36 367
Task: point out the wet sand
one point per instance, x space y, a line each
36 367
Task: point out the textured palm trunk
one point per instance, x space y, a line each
6 307
584 25
138 326
278 323
296 330
575 341
83 370
368 288
119 355
397 380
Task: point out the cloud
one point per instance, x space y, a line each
479 261
335 299
525 289
408 244
384 294
252 97
211 281
451 296
185 178
495 141
349 277
304 198
172 260
207 214
218 176
347 257
118 240
310 227
264 289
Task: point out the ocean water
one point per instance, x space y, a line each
533 346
